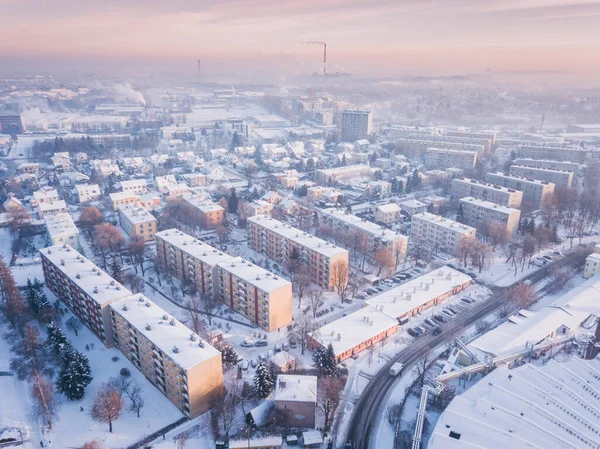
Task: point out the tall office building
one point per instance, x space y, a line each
356 125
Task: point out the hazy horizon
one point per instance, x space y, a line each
267 37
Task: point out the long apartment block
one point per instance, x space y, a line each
439 233
546 163
560 178
277 240
479 213
259 295
375 236
188 258
577 155
441 158
536 193
503 196
84 287
136 220
178 362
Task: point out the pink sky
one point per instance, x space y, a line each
381 35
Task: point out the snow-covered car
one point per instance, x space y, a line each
247 343
260 343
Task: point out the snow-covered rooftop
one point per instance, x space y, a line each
398 301
389 208
133 183
259 277
412 203
499 175
260 442
136 214
364 225
301 238
526 327
551 406
489 205
192 246
85 274
484 184
201 203
54 205
291 387
167 333
117 196
60 224
445 222
354 329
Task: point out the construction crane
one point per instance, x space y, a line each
324 44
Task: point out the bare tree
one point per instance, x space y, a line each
107 405
137 251
465 249
135 396
480 255
74 324
497 234
355 283
560 277
225 408
195 321
329 400
315 299
249 170
244 210
45 406
107 238
422 365
135 282
522 294
305 324
17 217
209 305
302 284
339 278
385 261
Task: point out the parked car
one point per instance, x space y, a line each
397 280
372 290
285 347
437 331
260 343
293 344
253 363
348 301
547 257
247 343
430 322
412 332
379 288
420 329
447 312
453 309
277 348
360 295
440 318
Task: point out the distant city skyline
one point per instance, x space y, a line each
377 36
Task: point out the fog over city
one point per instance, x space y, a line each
334 224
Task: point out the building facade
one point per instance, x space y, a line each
438 158
136 220
88 192
503 196
356 125
257 294
480 214
544 163
577 155
61 229
277 241
210 214
536 193
439 233
560 178
177 361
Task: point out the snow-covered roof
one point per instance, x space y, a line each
85 274
118 196
526 327
301 238
60 224
45 193
166 332
136 214
193 247
312 437
259 277
550 406
94 188
445 223
255 443
354 329
484 184
400 300
489 205
389 208
133 183
54 205
412 203
282 358
499 175
295 388
364 225
201 203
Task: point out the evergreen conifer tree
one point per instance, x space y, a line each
74 376
263 381
116 270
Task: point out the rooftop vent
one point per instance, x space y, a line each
165 317
148 304
62 262
148 327
172 321
192 337
99 273
95 289
175 349
124 308
78 276
141 299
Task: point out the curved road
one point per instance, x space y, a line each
366 412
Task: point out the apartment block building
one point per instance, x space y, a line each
88 192
136 220
479 214
46 194
504 196
51 208
560 178
536 193
211 214
188 258
277 241
577 155
134 186
61 229
439 233
415 147
12 124
257 294
440 158
120 199
481 135
374 236
342 174
84 287
177 361
545 163
356 125
387 213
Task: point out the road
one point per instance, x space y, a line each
368 409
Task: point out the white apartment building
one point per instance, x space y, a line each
577 155
98 123
387 213
356 125
504 196
536 193
45 195
259 295
480 135
545 163
120 199
61 229
51 208
559 178
260 207
353 173
84 287
177 361
439 158
188 258
277 241
135 186
374 236
439 233
480 213
88 192
415 147
136 220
